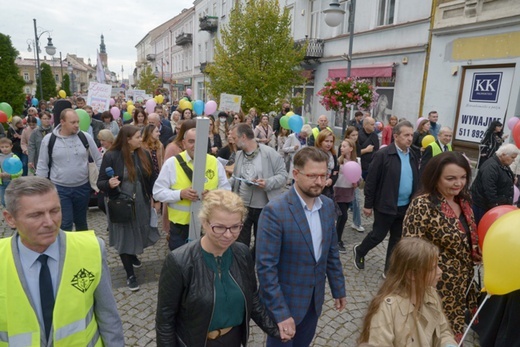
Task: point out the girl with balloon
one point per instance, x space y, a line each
11 166
348 178
14 133
422 131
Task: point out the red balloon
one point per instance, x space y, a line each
3 117
516 134
489 218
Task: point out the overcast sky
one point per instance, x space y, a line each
76 26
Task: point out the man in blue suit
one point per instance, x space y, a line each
297 248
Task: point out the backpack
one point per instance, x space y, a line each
52 141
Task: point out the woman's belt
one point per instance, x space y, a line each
215 334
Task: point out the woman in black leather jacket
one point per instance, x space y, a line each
207 289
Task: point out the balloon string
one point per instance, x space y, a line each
473 280
473 319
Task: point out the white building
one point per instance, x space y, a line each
472 38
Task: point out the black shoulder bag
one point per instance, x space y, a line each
121 209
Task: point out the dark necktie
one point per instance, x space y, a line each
445 148
46 294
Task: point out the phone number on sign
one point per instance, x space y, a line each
476 134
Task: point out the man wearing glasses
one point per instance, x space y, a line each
297 248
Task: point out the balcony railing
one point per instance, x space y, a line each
208 23
314 48
28 81
184 39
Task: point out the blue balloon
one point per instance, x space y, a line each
296 123
198 107
34 102
38 121
12 165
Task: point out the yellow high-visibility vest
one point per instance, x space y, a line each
179 213
74 322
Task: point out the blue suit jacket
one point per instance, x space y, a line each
288 272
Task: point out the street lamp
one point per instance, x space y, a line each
333 17
50 49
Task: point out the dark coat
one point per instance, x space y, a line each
166 134
186 296
114 159
365 140
382 183
493 185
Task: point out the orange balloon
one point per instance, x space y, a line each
489 218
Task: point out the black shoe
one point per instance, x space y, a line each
359 262
341 247
132 283
136 263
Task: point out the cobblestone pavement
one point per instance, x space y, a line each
137 309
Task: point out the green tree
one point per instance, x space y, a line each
66 84
48 82
148 81
11 83
256 57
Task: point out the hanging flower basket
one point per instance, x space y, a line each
337 94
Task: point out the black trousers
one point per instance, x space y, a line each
232 339
382 224
253 214
178 235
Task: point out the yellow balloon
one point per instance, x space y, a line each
501 255
62 94
427 140
129 102
290 113
130 108
160 99
184 104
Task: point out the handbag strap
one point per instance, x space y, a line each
187 170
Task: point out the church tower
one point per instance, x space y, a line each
103 51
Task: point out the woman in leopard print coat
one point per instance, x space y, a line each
442 214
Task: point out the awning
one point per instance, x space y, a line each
381 70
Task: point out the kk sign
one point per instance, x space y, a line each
484 98
486 87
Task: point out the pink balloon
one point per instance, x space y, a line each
516 194
115 112
150 105
352 171
112 102
512 122
189 92
418 122
211 106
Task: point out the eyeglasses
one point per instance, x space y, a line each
313 177
221 230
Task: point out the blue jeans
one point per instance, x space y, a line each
356 214
74 206
25 162
3 187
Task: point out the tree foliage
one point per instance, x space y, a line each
11 83
48 83
256 57
148 81
66 84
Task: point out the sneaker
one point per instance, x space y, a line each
383 275
132 283
341 247
359 262
137 263
359 228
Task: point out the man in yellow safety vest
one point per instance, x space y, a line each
55 287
